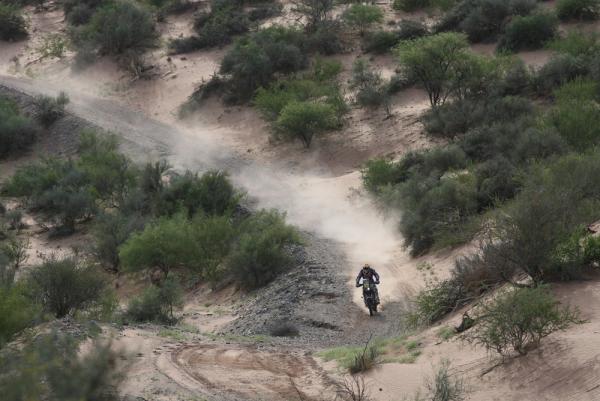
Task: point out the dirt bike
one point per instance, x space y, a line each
369 295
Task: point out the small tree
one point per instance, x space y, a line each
363 16
314 11
164 244
157 304
63 285
520 319
110 231
302 120
260 254
371 91
119 27
432 61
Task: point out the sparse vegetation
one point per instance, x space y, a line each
519 320
442 386
51 109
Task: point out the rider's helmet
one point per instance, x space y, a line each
366 266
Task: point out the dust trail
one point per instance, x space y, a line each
313 202
328 206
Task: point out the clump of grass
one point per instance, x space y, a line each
445 333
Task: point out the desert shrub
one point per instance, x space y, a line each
365 360
12 24
410 5
559 70
496 181
371 90
315 12
578 9
529 32
157 304
260 254
320 84
110 231
253 61
119 27
432 62
51 109
17 132
53 45
576 43
520 319
452 119
164 244
52 367
378 173
576 114
325 39
215 28
524 238
363 16
442 387
434 302
380 41
211 193
17 312
303 120
200 244
483 20
409 29
64 285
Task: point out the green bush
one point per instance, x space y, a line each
260 254
216 28
17 312
17 132
559 70
12 24
363 16
576 114
157 304
116 28
380 42
576 43
63 286
53 367
379 173
529 32
578 9
519 320
211 193
200 244
51 109
110 231
432 61
410 5
164 244
371 90
253 61
303 120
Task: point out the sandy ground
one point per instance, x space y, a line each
319 190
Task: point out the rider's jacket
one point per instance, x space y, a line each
370 273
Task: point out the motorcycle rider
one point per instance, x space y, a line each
367 272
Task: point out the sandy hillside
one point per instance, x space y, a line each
320 189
